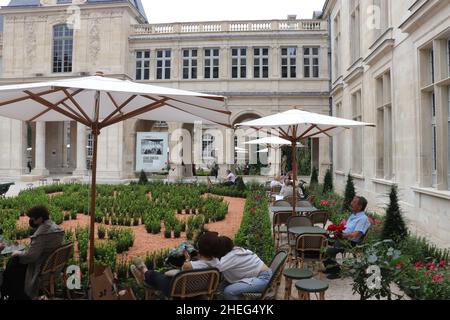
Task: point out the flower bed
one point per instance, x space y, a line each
255 233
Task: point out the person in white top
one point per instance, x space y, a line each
242 269
275 182
231 178
207 245
287 190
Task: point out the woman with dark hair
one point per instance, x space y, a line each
207 245
242 269
21 277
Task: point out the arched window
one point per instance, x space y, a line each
62 48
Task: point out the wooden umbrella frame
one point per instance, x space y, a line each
96 126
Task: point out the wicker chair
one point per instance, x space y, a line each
53 267
270 291
280 225
295 221
190 284
310 247
319 217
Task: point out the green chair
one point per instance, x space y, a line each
308 286
294 274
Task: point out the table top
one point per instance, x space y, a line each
304 230
297 209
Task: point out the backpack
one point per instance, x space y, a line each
176 257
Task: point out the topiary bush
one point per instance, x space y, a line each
328 182
350 193
394 225
142 178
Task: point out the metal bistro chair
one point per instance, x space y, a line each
310 247
190 284
319 217
295 221
53 267
270 291
280 226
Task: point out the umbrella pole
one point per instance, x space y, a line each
95 133
294 175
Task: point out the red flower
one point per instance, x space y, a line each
370 220
343 222
418 264
430 265
332 227
399 265
378 220
340 228
333 202
324 202
438 278
442 263
252 210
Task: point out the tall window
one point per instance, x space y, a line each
355 30
448 56
62 48
311 62
433 141
239 63
337 45
384 126
448 138
357 134
211 63
289 62
190 64
143 65
208 146
261 62
431 66
163 64
381 15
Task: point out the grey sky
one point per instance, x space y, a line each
214 10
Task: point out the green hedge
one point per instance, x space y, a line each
255 232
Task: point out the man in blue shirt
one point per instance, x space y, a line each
355 229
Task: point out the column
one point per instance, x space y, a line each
39 169
227 161
81 169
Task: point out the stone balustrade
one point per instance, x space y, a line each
230 26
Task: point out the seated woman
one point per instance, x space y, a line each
287 190
21 277
243 270
207 245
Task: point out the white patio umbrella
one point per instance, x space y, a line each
99 102
295 125
273 142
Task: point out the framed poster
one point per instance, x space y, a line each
151 151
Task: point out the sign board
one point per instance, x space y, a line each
151 151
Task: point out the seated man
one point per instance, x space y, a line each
21 276
355 229
230 179
276 182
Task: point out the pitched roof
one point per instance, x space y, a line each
36 3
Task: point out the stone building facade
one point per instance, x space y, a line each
262 67
391 66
